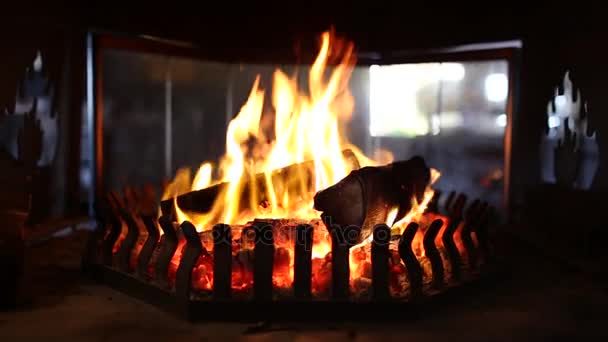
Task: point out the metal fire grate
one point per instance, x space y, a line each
141 268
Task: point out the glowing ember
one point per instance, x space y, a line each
306 128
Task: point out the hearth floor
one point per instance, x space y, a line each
540 300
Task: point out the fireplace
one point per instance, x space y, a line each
134 129
294 213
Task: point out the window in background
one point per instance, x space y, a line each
453 114
409 100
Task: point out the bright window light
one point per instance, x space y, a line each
451 71
497 87
435 124
501 120
419 99
394 109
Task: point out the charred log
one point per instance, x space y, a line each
297 178
366 196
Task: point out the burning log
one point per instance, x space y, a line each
321 275
303 173
366 197
282 260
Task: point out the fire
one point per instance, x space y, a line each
416 213
306 132
359 263
418 208
203 177
306 128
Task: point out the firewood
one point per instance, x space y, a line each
364 198
321 275
282 260
293 176
362 285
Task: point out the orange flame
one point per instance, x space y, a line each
418 208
